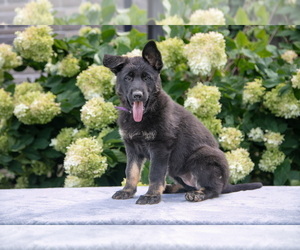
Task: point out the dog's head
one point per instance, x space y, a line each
138 78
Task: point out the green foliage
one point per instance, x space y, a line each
27 154
107 13
241 12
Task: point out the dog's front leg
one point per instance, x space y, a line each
159 158
133 173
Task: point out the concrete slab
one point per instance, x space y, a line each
149 237
94 206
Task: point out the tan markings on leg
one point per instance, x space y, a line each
173 188
200 191
133 177
155 189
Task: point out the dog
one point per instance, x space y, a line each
155 127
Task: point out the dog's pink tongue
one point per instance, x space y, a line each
137 111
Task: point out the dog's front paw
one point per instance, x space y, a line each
195 196
148 199
122 195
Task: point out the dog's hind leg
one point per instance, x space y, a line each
201 194
174 188
207 173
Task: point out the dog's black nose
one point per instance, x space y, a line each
137 95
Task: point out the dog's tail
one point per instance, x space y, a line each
241 187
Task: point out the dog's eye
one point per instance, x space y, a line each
146 77
129 76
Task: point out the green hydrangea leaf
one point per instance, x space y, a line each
282 172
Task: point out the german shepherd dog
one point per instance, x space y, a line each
154 127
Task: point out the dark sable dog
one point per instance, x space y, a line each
155 127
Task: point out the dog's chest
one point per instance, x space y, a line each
147 135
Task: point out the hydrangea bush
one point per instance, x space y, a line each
98 114
6 105
174 12
60 130
34 13
211 16
240 164
32 106
84 159
8 58
211 47
96 81
221 12
35 43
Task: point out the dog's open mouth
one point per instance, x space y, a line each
138 111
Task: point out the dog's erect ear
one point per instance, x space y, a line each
152 55
114 63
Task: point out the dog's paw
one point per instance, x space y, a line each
195 196
122 195
148 199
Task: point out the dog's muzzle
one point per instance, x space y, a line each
137 95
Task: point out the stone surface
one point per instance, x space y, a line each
94 206
151 237
87 218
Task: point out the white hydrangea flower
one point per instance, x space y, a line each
66 136
271 159
192 102
73 181
2 61
171 20
6 105
256 134
273 139
253 92
86 30
96 81
36 107
230 138
8 58
35 43
35 13
97 114
134 53
211 16
72 161
206 52
203 100
68 67
289 56
240 164
75 131
87 7
213 124
285 105
53 142
21 110
84 160
171 51
51 68
296 80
